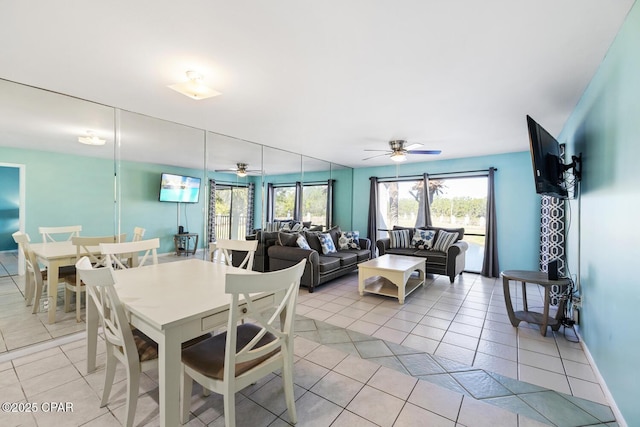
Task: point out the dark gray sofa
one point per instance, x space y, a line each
450 263
320 268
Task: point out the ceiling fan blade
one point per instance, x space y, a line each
413 146
424 151
377 155
386 151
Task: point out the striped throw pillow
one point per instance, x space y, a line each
399 239
444 240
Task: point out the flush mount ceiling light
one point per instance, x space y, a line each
91 139
194 88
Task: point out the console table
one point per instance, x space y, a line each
182 240
539 278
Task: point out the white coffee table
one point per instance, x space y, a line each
391 275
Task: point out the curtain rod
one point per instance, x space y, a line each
399 178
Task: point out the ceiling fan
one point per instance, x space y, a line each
241 170
398 152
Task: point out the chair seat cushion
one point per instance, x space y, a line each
327 264
148 348
207 356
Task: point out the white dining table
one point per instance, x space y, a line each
54 255
171 303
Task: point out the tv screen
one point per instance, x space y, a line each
179 188
548 168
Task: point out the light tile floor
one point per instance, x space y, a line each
448 356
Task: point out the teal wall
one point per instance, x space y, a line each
139 206
63 189
9 206
605 127
517 204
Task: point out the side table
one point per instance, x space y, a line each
538 278
181 242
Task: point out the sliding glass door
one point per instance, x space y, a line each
462 202
231 212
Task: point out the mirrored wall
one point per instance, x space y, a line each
51 179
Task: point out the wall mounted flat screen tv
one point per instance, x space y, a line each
548 167
179 188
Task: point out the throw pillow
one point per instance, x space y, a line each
423 239
327 243
349 240
399 238
297 226
302 243
287 239
444 240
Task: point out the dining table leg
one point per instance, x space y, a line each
169 367
52 289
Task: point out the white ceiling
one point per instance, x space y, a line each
326 79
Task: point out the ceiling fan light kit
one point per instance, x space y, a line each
398 152
194 88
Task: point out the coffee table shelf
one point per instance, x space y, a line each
391 275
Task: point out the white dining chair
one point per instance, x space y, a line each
228 362
56 234
221 251
85 246
126 254
35 277
138 233
132 348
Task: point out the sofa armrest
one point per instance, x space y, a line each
457 248
383 245
365 243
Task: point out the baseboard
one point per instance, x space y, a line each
612 403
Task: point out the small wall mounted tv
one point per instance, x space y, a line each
179 188
548 167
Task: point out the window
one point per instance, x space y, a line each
399 204
301 202
462 202
314 204
285 202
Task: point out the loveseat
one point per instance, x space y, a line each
322 266
449 262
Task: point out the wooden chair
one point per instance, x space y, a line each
68 232
35 277
220 251
136 351
118 253
138 233
85 246
228 362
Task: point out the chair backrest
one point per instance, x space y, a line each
48 233
85 246
23 241
277 319
220 251
99 284
138 233
117 252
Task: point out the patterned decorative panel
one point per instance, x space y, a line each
552 238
